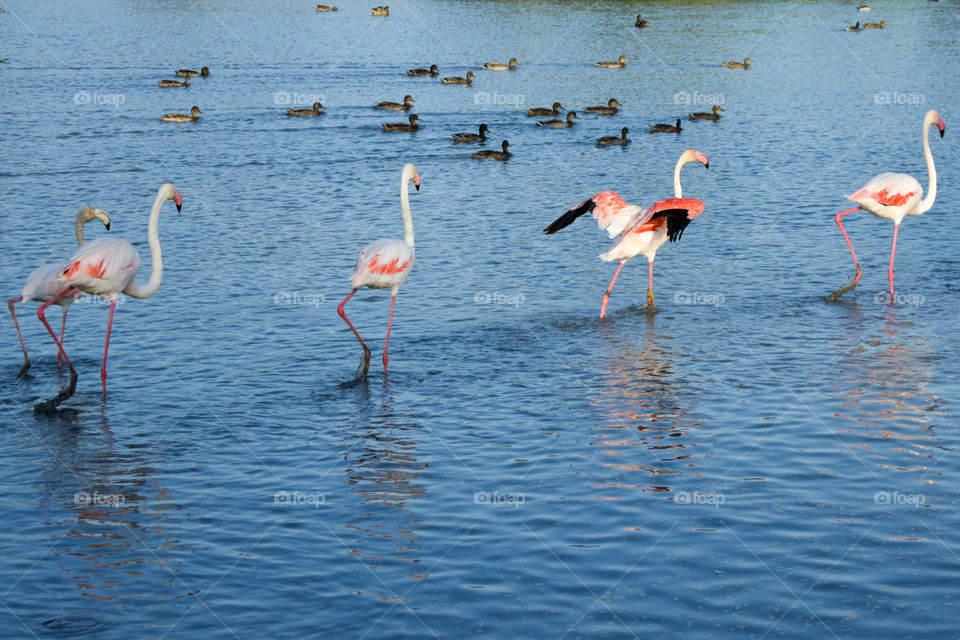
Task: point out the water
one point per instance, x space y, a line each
759 463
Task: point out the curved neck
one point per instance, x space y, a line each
405 206
677 192
134 289
927 202
79 229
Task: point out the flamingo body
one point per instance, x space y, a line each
890 195
104 267
383 264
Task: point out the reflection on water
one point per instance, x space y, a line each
647 409
882 383
383 473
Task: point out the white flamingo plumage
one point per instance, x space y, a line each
108 267
385 264
893 196
42 283
642 231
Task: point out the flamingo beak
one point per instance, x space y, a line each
702 158
107 226
416 182
942 127
178 200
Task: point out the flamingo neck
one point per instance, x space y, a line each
405 206
677 191
927 202
78 230
134 289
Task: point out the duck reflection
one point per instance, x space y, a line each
383 474
647 409
882 384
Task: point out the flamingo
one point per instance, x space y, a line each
42 283
893 196
642 231
385 264
108 267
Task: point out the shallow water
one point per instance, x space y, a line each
750 461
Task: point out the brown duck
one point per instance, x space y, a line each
316 110
403 126
609 110
560 124
432 71
705 115
666 128
495 155
472 137
545 111
396 106
457 80
620 141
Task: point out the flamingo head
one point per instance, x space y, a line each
692 155
416 181
931 118
177 200
92 213
942 127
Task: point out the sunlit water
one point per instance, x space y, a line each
750 461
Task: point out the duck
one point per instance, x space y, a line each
641 23
380 11
324 7
560 124
620 141
189 73
432 71
396 106
175 83
498 66
316 110
864 7
875 25
855 27
403 126
472 137
609 110
666 128
619 64
545 111
738 65
495 155
705 115
457 80
182 117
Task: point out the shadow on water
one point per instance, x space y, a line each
647 406
880 384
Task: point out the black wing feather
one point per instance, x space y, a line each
677 221
571 215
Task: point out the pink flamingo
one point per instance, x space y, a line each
42 283
642 231
893 196
385 264
108 267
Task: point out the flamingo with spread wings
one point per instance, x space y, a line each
641 231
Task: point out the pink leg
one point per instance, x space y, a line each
23 345
106 346
366 352
856 279
41 314
893 252
386 346
63 327
650 286
606 295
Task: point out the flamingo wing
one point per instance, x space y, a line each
382 264
889 190
104 266
42 284
676 213
612 213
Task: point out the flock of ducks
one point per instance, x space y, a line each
186 74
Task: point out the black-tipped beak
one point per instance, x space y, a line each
416 186
108 226
707 165
943 131
178 207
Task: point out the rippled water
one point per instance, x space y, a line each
750 461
